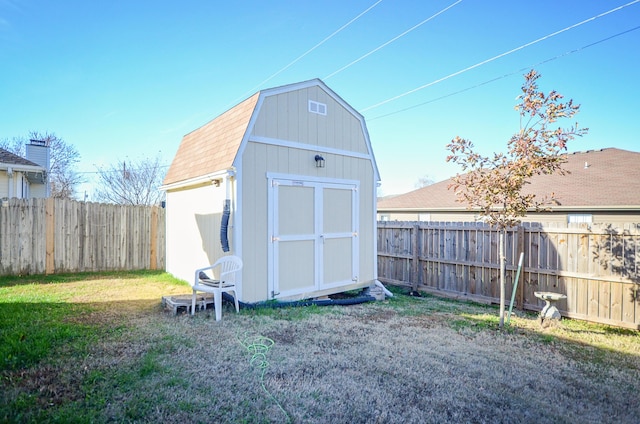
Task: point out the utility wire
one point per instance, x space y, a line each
499 56
392 40
309 51
526 68
107 171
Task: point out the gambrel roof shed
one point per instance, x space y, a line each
214 146
304 227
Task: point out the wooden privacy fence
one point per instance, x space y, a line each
596 266
58 235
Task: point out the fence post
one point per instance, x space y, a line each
521 248
153 242
50 221
415 276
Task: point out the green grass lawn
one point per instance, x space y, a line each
99 348
43 313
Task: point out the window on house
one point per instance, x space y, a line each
424 217
383 217
317 107
580 218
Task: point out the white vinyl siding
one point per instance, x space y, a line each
193 229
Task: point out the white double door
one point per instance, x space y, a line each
313 227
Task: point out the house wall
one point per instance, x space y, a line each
20 187
38 190
14 186
547 217
193 219
284 140
425 216
4 184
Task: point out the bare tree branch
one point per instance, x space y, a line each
132 183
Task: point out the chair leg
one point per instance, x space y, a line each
235 298
193 303
217 300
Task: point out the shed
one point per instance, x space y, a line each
287 181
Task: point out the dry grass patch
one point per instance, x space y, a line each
403 360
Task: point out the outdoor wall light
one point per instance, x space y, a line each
319 161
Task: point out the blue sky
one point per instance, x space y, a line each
121 80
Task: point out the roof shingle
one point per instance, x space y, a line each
597 179
213 146
8 158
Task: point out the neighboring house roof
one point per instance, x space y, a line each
605 179
8 159
213 146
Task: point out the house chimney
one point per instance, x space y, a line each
38 152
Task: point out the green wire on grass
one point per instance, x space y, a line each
258 347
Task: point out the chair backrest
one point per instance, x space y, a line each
229 266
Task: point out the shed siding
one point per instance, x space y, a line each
193 229
258 159
254 222
286 117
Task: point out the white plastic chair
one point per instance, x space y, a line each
224 281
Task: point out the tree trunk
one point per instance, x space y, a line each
502 260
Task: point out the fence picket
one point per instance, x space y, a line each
62 235
597 267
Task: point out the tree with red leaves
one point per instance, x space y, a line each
494 185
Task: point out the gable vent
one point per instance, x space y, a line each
317 107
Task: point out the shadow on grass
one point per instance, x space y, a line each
572 335
32 332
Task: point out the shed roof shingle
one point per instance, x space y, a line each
213 146
597 179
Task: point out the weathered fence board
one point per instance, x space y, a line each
59 235
597 266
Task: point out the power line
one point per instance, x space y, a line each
499 56
392 40
505 75
107 171
309 51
